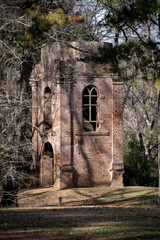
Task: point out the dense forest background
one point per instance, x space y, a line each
131 26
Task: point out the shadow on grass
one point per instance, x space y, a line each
96 215
92 196
117 197
94 222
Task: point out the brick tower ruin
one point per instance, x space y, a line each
77 117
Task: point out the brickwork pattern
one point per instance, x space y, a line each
80 158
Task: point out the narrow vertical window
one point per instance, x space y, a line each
90 109
47 119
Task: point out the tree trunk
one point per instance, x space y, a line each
116 37
159 144
10 193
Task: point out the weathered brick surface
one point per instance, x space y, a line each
80 158
46 173
117 166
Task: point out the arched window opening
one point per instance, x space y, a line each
47 92
47 165
90 109
47 120
48 151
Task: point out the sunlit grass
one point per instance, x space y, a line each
86 213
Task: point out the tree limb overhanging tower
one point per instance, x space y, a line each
77 117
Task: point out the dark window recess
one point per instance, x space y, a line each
47 90
48 150
85 92
93 113
90 109
86 112
93 91
86 100
93 100
47 121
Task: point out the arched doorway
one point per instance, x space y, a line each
47 165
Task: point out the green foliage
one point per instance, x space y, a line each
131 54
138 169
157 83
42 23
131 12
137 22
58 17
125 51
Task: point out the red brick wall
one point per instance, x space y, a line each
117 134
93 152
79 158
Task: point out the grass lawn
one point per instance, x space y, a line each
85 213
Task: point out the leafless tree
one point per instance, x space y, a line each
140 115
85 21
19 54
